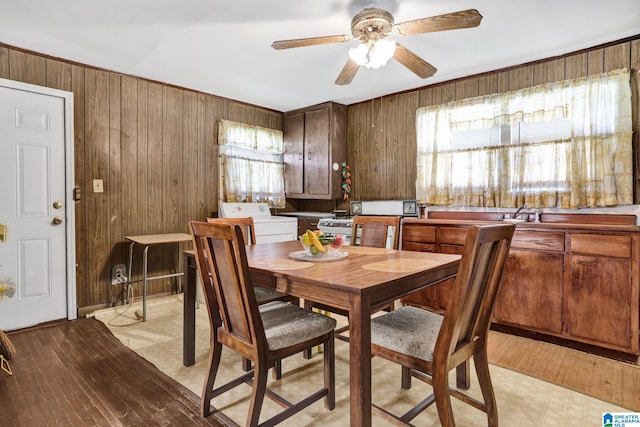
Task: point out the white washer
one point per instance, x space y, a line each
269 228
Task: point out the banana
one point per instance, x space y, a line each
315 242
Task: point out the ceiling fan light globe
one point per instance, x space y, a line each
381 51
360 54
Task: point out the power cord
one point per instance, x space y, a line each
130 296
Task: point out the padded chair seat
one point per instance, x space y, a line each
286 325
266 295
407 330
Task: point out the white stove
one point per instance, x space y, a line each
268 228
403 208
336 226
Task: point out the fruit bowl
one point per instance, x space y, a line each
318 244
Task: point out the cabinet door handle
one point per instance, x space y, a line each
308 156
589 263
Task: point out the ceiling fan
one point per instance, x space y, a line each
372 25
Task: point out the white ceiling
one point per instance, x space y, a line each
223 48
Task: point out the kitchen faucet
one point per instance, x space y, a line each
518 211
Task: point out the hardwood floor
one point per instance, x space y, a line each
76 373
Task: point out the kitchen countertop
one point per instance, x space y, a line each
533 225
307 214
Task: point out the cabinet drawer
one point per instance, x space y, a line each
418 233
305 224
538 240
418 247
452 235
599 244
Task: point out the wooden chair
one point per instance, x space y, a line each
263 295
371 231
429 345
263 334
368 231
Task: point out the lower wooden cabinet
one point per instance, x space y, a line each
529 298
601 292
530 295
305 224
577 282
448 240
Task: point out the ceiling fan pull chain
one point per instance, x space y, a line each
372 117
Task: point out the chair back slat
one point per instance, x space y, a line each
247 224
221 247
199 243
468 313
373 231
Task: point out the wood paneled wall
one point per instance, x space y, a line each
153 145
381 132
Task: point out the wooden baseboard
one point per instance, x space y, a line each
89 309
587 348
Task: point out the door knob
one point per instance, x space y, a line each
57 220
57 205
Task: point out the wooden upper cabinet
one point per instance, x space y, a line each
317 153
314 139
293 129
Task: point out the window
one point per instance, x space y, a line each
250 164
565 144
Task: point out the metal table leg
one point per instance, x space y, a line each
129 271
144 283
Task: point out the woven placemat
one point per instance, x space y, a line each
279 264
400 265
360 250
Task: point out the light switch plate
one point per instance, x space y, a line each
98 186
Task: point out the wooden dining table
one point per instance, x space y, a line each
357 281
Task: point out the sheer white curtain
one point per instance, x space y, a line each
564 144
250 164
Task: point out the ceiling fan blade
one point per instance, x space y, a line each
449 21
311 41
348 73
413 62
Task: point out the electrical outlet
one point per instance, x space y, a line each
119 274
98 186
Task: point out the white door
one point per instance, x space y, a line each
35 206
